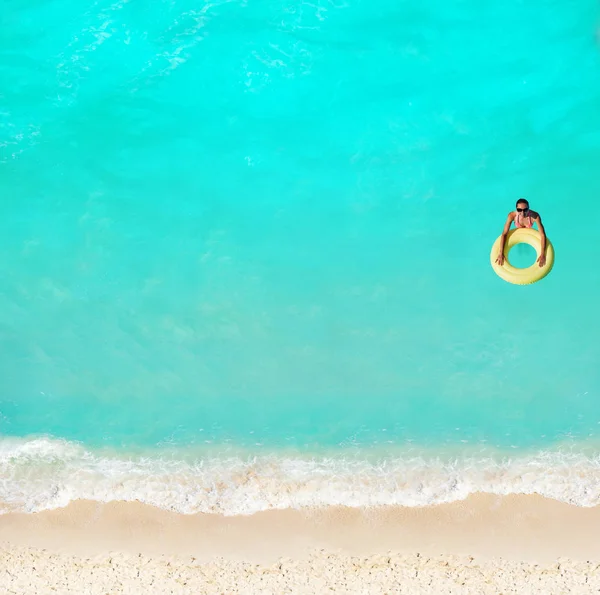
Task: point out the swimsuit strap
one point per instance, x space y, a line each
518 220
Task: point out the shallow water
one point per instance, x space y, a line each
255 236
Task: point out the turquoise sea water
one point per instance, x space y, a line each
245 252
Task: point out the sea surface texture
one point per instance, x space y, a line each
244 252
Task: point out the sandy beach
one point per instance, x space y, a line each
486 544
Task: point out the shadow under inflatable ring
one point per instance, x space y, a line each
522 235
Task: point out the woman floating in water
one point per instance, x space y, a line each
523 217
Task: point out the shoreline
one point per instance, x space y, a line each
484 543
515 527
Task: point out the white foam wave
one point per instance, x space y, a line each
43 473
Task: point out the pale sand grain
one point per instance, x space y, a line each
485 544
28 570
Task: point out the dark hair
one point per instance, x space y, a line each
522 201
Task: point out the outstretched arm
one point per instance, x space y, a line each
542 259
509 220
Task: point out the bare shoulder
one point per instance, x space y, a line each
510 216
534 214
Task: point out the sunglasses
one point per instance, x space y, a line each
522 210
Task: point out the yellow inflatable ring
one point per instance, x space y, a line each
531 274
